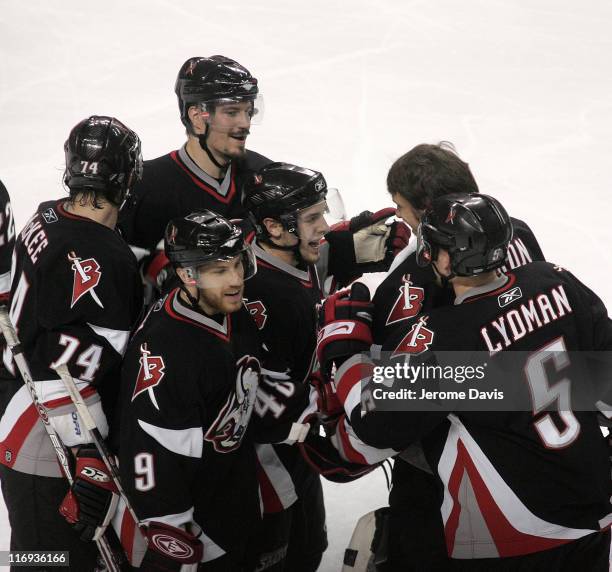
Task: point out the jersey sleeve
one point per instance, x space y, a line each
380 429
525 235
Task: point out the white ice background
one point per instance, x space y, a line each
521 87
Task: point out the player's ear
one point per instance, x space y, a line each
198 118
186 275
274 227
443 262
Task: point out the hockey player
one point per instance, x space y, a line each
7 242
287 206
218 100
415 180
189 379
75 296
496 515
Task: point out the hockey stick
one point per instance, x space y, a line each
112 561
90 425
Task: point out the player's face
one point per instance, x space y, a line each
405 211
311 228
221 285
229 127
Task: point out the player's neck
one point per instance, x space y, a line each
287 256
106 214
463 284
202 160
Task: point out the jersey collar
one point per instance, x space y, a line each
222 188
502 282
271 260
177 310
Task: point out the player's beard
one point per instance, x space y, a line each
231 147
221 301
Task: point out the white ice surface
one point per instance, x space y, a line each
522 87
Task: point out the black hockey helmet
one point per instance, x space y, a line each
475 229
279 191
205 236
216 79
102 156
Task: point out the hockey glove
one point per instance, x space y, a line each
345 319
320 453
92 500
366 243
172 549
329 407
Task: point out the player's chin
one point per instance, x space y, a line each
310 251
232 301
236 148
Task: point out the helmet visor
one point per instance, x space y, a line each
335 204
225 272
230 113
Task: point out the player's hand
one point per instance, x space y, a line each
376 242
346 320
365 243
329 407
92 500
172 549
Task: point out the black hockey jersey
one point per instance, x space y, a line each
7 242
409 290
173 186
75 296
513 482
188 389
283 301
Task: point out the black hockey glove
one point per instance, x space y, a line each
92 500
172 549
365 243
346 320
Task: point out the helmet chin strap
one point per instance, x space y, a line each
193 301
295 248
203 139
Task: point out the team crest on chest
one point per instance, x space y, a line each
408 304
86 277
417 340
258 313
227 430
150 374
